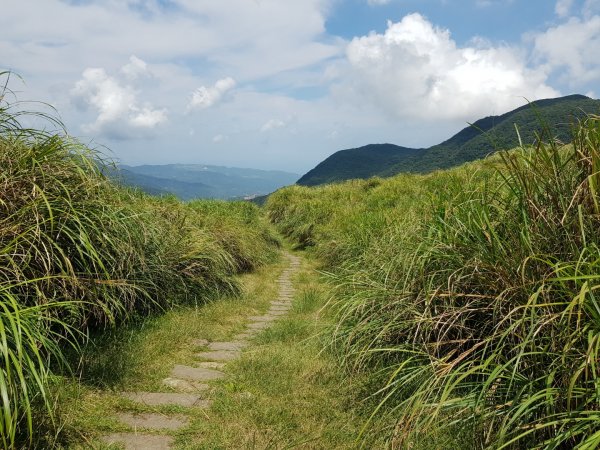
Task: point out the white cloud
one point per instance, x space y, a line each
135 68
416 70
119 112
378 2
563 7
205 97
272 124
148 118
571 49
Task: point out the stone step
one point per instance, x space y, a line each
135 441
211 365
219 355
196 373
233 345
280 308
185 385
166 398
265 318
152 421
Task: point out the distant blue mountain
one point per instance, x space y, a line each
189 181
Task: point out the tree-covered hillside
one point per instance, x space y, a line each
476 141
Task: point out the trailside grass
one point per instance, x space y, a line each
468 297
80 255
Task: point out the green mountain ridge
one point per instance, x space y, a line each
483 137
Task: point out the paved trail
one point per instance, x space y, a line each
191 382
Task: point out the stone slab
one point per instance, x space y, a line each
233 345
211 365
164 398
185 385
134 441
219 355
196 373
152 421
278 313
280 308
265 318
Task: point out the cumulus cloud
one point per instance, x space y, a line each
119 112
205 97
571 48
416 70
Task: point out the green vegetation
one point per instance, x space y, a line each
469 296
78 254
484 137
284 391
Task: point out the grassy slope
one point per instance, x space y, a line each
468 296
283 393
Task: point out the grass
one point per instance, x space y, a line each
284 392
79 255
468 297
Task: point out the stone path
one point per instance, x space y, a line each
191 381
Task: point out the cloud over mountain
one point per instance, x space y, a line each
416 69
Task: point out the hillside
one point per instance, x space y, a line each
189 181
476 141
363 162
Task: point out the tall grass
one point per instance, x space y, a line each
77 252
471 295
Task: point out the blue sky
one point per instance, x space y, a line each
281 84
463 17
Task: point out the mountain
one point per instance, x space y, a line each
189 181
361 162
482 138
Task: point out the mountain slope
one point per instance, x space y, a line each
185 190
360 162
485 136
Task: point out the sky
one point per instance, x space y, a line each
282 84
